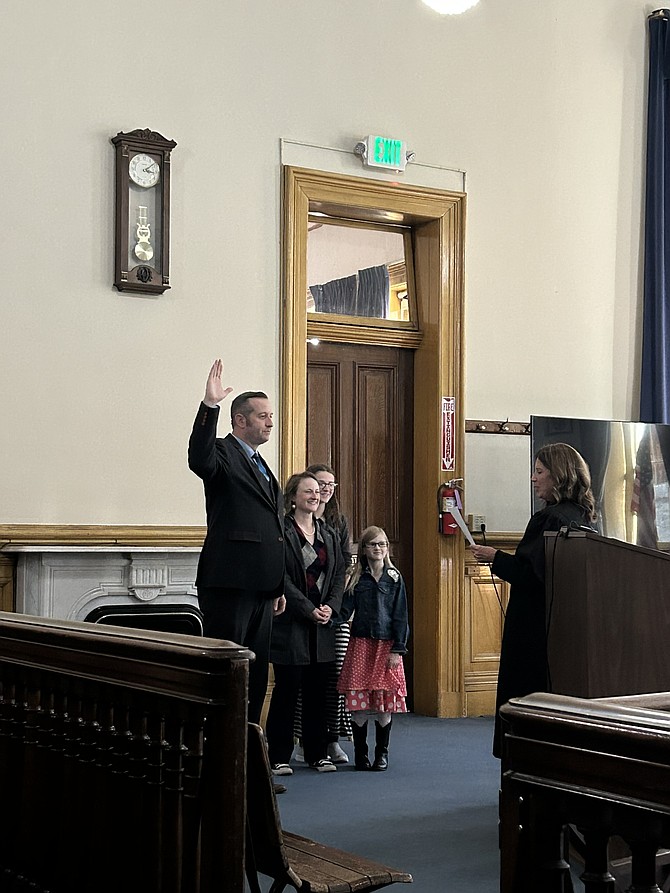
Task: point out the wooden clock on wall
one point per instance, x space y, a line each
142 243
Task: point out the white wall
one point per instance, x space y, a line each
541 103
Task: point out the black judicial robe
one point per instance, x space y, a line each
523 655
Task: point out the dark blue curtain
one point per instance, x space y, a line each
336 296
373 292
364 294
655 380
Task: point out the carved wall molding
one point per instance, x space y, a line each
147 578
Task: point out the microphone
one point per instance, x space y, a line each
482 528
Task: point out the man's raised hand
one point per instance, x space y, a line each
214 390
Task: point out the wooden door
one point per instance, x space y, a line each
360 421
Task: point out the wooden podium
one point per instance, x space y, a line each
608 616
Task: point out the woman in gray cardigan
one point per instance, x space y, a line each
303 639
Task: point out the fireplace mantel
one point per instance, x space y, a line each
71 581
116 548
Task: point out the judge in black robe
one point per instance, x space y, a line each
562 479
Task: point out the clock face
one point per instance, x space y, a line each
144 170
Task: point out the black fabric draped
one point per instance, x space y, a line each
364 294
336 296
373 292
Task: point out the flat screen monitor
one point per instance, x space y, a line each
629 463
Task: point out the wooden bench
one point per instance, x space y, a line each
122 757
292 860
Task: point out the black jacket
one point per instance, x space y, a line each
523 654
342 531
379 608
244 546
296 638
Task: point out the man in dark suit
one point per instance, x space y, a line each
240 576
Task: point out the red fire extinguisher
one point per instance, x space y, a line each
448 498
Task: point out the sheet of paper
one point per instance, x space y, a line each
458 518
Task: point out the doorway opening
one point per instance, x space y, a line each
359 421
427 329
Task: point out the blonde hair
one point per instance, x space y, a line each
354 573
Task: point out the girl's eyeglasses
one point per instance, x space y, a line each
327 485
381 545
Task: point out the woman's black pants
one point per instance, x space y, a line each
289 679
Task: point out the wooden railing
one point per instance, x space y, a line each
601 767
122 760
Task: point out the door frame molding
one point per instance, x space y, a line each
437 219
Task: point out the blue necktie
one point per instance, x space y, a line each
260 465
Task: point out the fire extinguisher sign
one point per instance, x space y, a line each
448 419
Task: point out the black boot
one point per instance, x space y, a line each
360 735
382 735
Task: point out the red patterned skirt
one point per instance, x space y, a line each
366 680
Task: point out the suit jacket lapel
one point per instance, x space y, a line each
267 488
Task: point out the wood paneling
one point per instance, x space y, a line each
361 424
323 414
6 583
482 630
609 600
377 436
359 415
481 641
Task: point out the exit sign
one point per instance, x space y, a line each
385 151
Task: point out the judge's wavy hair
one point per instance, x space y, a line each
571 476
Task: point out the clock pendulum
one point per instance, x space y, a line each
143 249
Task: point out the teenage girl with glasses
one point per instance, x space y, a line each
373 678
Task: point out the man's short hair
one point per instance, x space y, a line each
241 404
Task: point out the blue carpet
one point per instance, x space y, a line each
434 813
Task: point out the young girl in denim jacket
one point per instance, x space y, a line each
373 678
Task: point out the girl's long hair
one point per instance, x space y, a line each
361 564
331 513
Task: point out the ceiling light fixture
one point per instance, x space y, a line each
450 7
